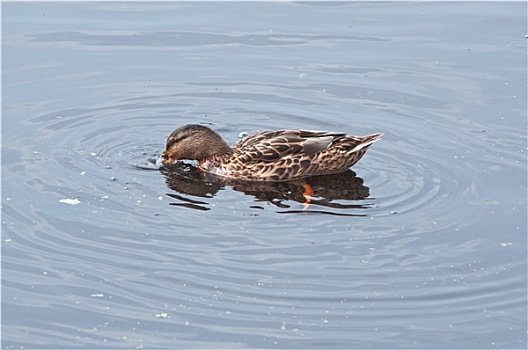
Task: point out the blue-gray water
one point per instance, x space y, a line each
423 246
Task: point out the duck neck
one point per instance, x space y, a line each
217 146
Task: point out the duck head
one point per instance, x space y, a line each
194 142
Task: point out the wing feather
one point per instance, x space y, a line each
274 145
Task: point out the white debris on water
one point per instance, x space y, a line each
70 201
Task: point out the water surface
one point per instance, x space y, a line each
422 244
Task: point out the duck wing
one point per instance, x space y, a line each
273 145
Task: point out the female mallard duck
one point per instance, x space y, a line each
279 155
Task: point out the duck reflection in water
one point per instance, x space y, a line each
331 191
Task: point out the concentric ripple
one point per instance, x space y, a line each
139 229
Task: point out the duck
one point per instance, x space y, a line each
269 156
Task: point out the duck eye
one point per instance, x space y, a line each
174 140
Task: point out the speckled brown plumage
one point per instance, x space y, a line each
279 155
